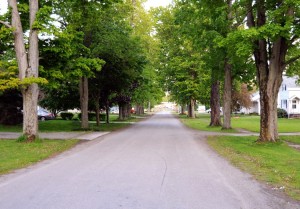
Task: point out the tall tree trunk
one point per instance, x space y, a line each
270 63
227 98
28 67
121 111
107 112
128 110
139 109
142 110
84 98
149 106
97 107
269 82
215 104
182 109
268 117
191 112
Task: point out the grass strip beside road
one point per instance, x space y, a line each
73 125
274 163
249 123
202 123
15 155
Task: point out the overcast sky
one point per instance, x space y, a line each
3 6
157 3
148 4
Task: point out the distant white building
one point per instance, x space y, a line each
288 97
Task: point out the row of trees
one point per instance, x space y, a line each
225 44
87 54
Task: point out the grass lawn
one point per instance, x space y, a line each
250 123
73 125
201 123
274 163
293 139
15 155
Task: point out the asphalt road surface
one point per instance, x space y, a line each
155 164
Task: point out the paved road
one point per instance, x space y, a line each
155 164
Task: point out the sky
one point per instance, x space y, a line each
156 3
3 6
148 4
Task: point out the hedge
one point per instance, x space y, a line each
92 116
66 115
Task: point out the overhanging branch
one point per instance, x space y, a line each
290 61
5 23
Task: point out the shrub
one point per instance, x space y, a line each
281 113
92 116
66 115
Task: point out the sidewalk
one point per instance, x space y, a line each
58 135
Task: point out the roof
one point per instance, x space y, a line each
255 96
290 82
294 97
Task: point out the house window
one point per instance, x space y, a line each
284 104
283 87
294 104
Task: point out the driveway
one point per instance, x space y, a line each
154 164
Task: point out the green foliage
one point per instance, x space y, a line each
21 138
10 107
66 115
30 80
92 116
180 63
281 113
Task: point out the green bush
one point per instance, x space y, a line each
66 115
281 113
92 116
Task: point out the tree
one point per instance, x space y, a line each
28 64
180 63
274 33
148 91
241 97
72 40
204 25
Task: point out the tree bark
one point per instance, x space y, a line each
270 64
182 109
28 67
84 98
227 98
120 111
128 112
215 104
107 111
149 106
97 107
124 111
139 109
191 112
268 118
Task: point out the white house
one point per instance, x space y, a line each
288 97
